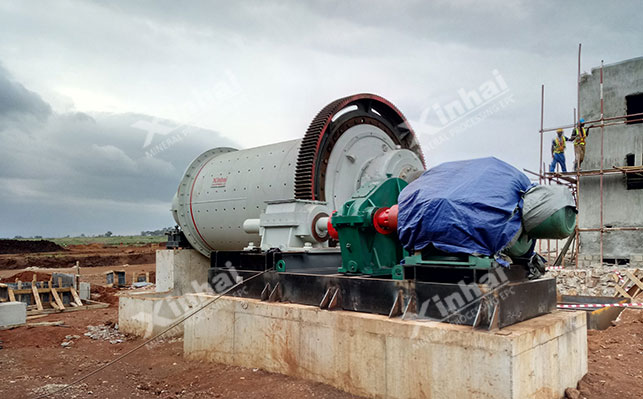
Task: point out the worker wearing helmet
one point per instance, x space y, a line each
558 152
579 135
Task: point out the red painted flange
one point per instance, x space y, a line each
385 220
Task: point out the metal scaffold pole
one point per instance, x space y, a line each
577 232
542 117
602 166
542 170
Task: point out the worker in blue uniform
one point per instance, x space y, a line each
558 152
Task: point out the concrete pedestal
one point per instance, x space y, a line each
181 271
84 290
148 313
374 356
178 272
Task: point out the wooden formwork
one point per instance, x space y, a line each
45 297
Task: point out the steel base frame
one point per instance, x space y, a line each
496 304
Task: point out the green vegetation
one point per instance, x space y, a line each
111 240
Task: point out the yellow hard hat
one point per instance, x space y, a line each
559 131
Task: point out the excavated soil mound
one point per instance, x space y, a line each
28 246
88 256
104 294
70 261
26 276
616 358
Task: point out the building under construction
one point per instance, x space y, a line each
609 185
612 200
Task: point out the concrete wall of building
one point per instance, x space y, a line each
622 207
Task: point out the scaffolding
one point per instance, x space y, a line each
572 179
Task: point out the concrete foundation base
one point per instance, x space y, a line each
148 313
178 272
374 356
12 314
181 271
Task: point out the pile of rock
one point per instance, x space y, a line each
595 280
107 332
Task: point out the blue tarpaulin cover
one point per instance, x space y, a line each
472 207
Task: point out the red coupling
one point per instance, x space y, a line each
385 220
331 230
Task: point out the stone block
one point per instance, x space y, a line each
12 314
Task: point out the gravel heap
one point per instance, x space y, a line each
106 332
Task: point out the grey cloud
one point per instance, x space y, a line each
364 27
17 101
94 164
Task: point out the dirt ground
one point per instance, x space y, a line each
89 255
32 360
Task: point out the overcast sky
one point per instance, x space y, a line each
104 104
